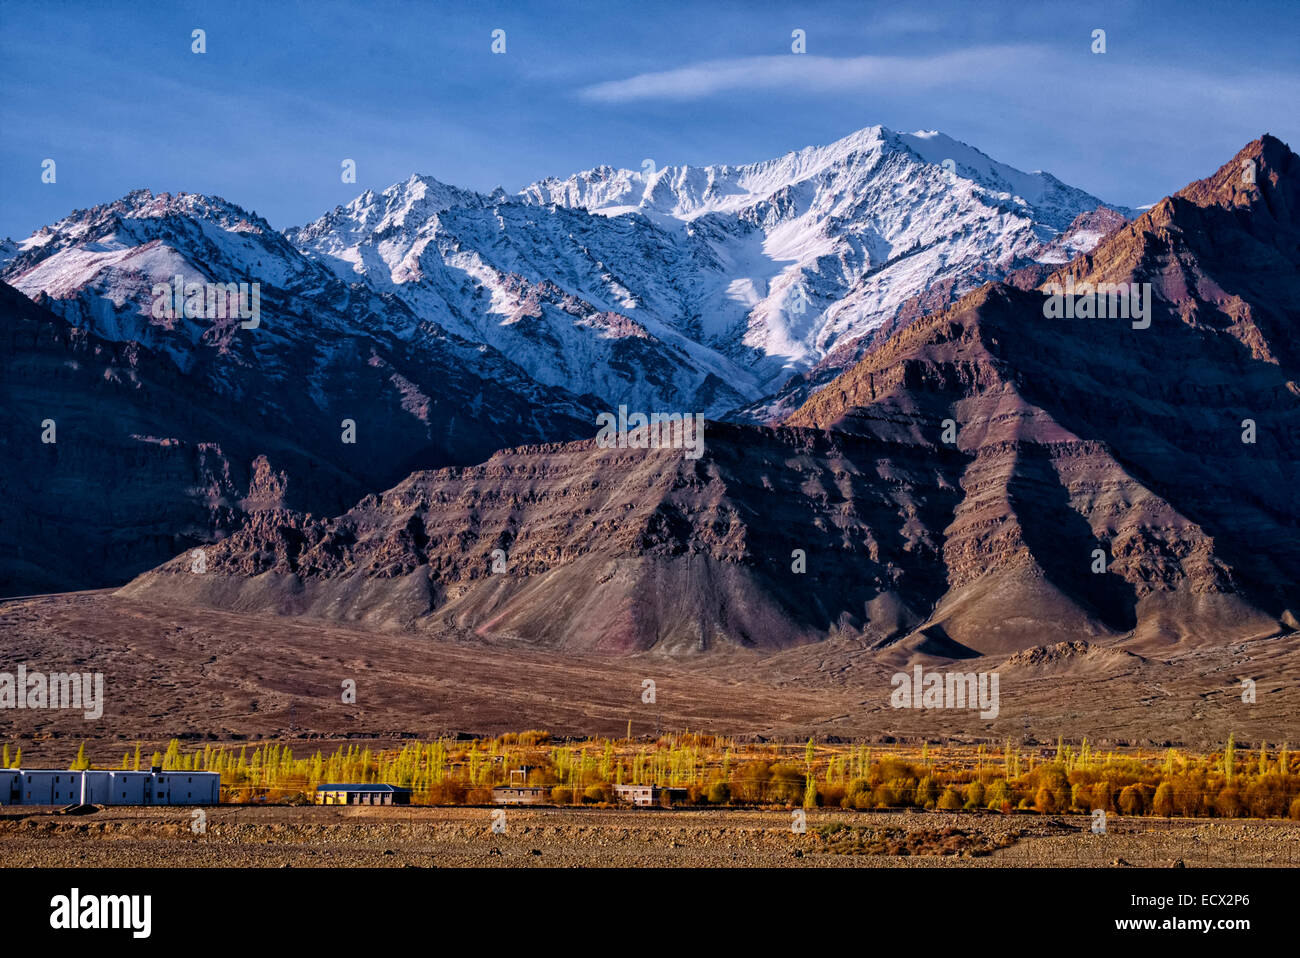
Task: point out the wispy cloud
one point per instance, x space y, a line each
813 74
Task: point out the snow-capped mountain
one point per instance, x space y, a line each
689 288
427 326
698 287
825 244
321 352
585 302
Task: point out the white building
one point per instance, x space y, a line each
32 786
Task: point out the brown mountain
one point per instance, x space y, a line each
1084 434
132 471
150 458
1067 437
613 549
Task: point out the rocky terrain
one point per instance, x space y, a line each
332 837
608 549
1025 271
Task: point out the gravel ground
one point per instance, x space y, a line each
306 837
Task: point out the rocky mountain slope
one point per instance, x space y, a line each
321 353
126 476
1083 234
607 549
436 325
1172 449
953 492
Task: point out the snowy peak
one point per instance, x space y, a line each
685 192
702 288
145 209
411 203
737 275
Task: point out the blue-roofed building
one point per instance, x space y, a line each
362 795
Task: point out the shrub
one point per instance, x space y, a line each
1266 796
890 769
446 793
1163 804
831 795
1045 800
975 795
1080 796
1101 797
786 784
949 800
1228 802
1130 800
1295 809
719 793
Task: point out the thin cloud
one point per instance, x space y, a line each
812 74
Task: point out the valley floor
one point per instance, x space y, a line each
201 676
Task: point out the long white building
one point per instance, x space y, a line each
44 786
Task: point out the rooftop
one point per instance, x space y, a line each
360 788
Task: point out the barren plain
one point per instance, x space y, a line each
335 837
201 675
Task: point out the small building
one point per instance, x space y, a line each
183 788
128 788
521 794
362 795
98 788
648 794
41 786
8 786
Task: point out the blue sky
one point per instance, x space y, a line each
286 91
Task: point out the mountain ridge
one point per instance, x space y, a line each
1096 486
